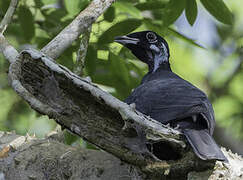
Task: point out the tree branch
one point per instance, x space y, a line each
82 51
8 51
77 27
8 16
100 118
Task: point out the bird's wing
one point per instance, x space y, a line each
171 99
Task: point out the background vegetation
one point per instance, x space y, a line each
212 60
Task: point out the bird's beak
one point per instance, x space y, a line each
124 40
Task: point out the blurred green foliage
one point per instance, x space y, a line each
114 68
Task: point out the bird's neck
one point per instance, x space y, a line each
160 62
162 72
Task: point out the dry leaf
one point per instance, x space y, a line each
4 152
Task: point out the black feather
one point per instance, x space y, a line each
168 98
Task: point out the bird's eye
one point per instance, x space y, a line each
151 37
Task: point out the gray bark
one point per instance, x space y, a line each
78 26
26 157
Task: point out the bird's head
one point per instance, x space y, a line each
148 47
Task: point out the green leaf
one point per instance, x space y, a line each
54 22
151 5
69 138
183 37
26 21
75 6
90 146
49 1
173 11
120 76
19 108
152 25
126 54
4 6
41 41
118 29
119 69
191 11
102 74
219 10
91 60
109 15
66 59
224 32
129 9
38 3
56 15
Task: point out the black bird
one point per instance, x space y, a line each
167 98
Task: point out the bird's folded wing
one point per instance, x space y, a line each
169 99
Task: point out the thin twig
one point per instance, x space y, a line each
82 51
8 16
8 51
77 27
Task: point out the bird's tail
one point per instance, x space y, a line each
203 144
